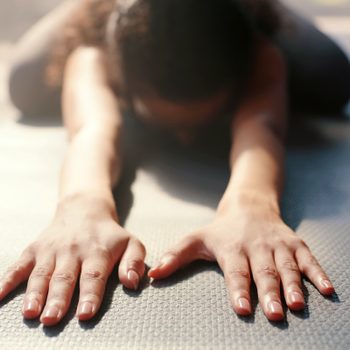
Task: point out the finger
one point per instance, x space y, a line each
37 286
186 251
310 267
94 275
16 274
291 278
267 281
237 277
61 289
132 265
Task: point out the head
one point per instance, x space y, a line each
180 58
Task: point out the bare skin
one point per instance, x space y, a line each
247 238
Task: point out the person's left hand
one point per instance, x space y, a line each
251 243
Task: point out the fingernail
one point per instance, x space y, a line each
244 304
51 312
275 307
31 305
296 298
85 308
134 278
327 284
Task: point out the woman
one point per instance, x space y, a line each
179 66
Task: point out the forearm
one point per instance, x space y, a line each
91 166
258 131
257 169
92 118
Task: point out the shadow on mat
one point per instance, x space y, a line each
200 173
316 174
47 120
314 160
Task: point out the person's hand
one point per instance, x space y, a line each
84 238
251 244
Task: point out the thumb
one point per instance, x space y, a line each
189 249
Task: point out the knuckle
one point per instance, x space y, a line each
227 252
290 266
135 264
293 286
16 268
236 248
57 301
102 252
191 241
267 271
90 296
35 293
273 294
65 277
29 251
221 261
94 275
139 244
142 248
41 272
300 243
72 248
173 254
260 245
311 261
238 273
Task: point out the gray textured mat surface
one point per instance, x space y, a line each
163 197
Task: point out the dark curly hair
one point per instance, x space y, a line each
179 49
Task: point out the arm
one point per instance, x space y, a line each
258 131
84 237
91 116
248 237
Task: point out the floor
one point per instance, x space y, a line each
163 197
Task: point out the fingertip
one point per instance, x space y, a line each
51 316
133 279
296 306
328 292
242 307
29 315
2 293
130 277
295 301
84 317
6 289
47 321
274 311
160 272
326 287
275 317
31 309
155 273
85 311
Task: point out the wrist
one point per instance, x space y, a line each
87 205
249 200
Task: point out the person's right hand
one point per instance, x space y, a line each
84 238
